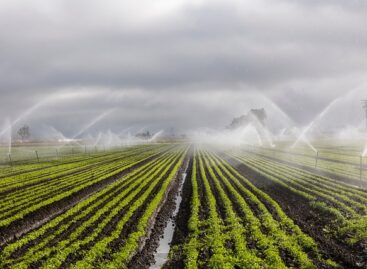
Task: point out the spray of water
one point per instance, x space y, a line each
125 131
156 135
142 129
9 135
302 137
25 114
245 135
364 153
52 98
303 134
92 123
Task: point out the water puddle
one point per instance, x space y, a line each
161 255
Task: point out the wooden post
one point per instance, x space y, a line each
38 159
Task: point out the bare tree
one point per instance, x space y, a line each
24 132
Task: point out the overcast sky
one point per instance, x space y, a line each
178 63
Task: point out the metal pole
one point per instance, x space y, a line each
85 149
57 153
38 159
10 160
317 158
360 167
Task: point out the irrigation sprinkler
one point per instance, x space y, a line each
38 159
10 160
360 166
317 158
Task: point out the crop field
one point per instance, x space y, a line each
242 207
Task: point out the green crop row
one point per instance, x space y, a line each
258 236
56 171
94 214
346 204
350 169
78 182
79 211
17 200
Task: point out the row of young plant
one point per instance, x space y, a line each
335 154
33 176
87 230
17 204
257 237
349 205
81 210
67 181
19 168
35 197
346 204
350 170
354 193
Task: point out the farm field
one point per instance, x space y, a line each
344 161
239 208
183 134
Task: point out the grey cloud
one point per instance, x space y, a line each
302 54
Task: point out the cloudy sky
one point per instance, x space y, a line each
177 63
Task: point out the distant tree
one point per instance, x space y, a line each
260 114
24 132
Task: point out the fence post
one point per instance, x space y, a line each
38 159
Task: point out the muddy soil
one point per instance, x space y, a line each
181 230
145 257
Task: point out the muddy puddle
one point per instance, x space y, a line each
161 255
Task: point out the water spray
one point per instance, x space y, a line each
92 123
156 135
